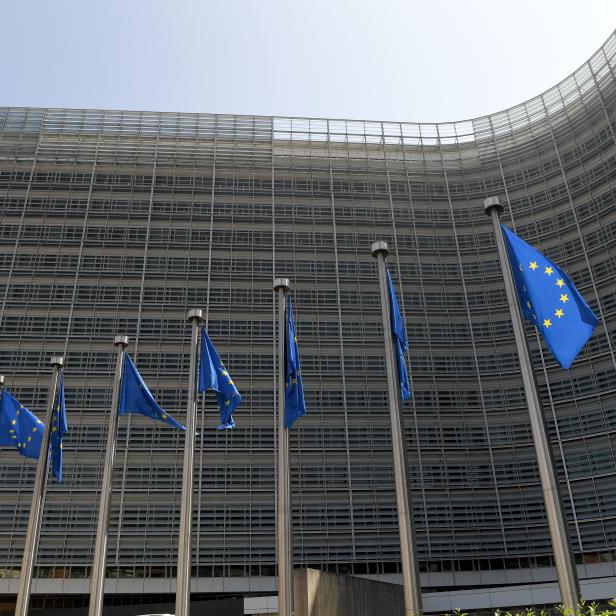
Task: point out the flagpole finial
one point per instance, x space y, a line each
120 341
57 360
282 283
195 313
491 203
379 247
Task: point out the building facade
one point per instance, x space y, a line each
116 222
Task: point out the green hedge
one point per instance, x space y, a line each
584 609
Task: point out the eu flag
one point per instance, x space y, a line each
398 331
213 375
295 405
19 427
135 397
549 299
59 428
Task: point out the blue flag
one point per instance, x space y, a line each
135 397
549 300
19 427
294 404
213 375
59 428
398 331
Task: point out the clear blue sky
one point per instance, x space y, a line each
429 60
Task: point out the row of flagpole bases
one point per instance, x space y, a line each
536 288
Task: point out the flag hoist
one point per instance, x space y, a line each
548 298
34 439
398 387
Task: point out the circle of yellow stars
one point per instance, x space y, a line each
560 283
13 431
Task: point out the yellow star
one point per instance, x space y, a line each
549 271
29 439
528 304
547 323
560 283
564 298
533 265
34 429
164 415
61 446
230 382
559 313
535 317
14 436
294 381
17 412
13 422
38 421
11 431
227 402
18 445
224 372
54 429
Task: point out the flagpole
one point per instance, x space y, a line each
561 545
408 547
38 495
97 581
182 590
285 545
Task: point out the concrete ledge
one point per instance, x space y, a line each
358 590
327 594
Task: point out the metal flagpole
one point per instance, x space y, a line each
38 495
182 590
408 548
561 545
285 545
97 582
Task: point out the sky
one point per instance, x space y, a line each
399 60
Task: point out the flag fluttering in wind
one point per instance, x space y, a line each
550 300
19 427
135 397
295 405
59 427
398 331
214 375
